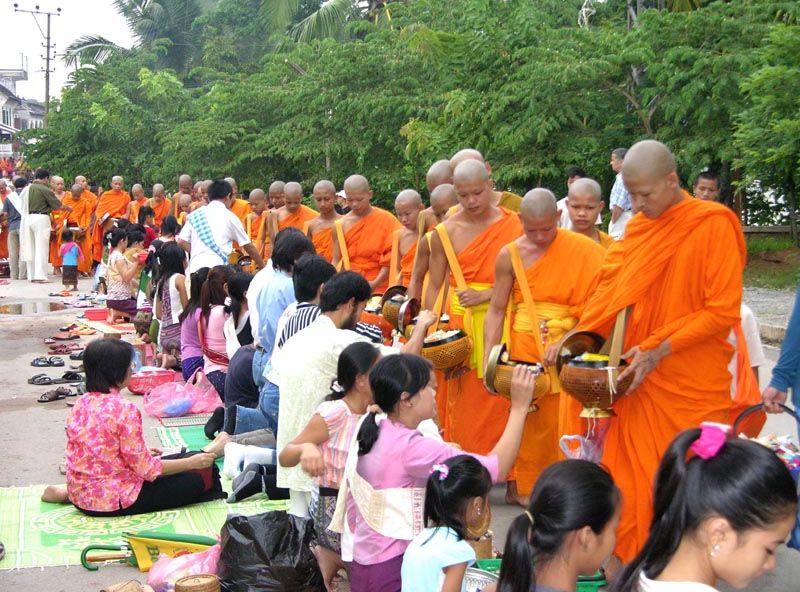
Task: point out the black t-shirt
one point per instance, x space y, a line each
240 388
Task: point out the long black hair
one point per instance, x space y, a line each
171 258
389 379
170 226
448 492
196 280
354 361
569 495
745 483
213 290
238 283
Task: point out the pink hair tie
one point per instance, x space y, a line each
712 439
442 469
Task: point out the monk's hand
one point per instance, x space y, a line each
643 363
311 460
551 355
773 399
469 297
522 383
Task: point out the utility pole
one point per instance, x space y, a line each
48 48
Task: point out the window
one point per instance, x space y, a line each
8 117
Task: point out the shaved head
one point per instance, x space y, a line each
197 185
464 155
325 197
276 187
356 187
294 189
443 198
356 183
470 170
587 187
185 200
407 206
233 183
539 203
324 186
409 197
257 195
185 184
117 179
76 189
440 172
258 201
137 190
292 196
651 178
57 183
648 157
584 204
539 217
158 189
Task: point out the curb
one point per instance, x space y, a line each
772 334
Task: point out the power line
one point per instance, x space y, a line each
49 50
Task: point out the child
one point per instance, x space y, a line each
171 298
147 219
191 352
110 471
394 460
722 507
120 274
456 501
210 326
70 255
568 530
322 447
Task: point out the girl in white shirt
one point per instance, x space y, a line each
722 507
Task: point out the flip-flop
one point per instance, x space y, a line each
69 327
65 336
41 362
44 380
84 331
65 348
76 355
40 380
49 340
50 396
78 368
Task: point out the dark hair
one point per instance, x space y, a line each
170 257
66 235
219 189
619 153
708 176
151 263
107 363
575 171
568 495
238 283
354 361
41 174
309 273
343 287
745 483
446 497
135 233
144 213
169 225
290 245
123 223
114 236
196 282
20 182
213 291
389 379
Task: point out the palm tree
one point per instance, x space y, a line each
163 23
327 20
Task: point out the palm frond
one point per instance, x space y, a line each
278 14
326 22
90 49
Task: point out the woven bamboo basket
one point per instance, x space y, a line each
500 368
201 583
400 311
448 352
595 388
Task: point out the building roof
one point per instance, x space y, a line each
10 94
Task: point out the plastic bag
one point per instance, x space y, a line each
174 399
168 570
268 553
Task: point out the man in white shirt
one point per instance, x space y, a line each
209 232
307 365
619 198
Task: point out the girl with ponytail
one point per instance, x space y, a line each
567 531
389 465
722 507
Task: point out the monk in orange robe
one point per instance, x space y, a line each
363 237
410 212
185 187
680 269
439 173
584 204
138 199
292 213
161 204
255 223
320 229
504 199
558 270
239 206
467 245
58 220
79 220
111 205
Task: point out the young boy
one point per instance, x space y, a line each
70 254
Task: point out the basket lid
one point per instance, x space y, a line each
391 292
576 344
459 334
408 312
495 356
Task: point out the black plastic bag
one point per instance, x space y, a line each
268 553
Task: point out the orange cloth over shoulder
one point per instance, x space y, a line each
402 266
161 210
322 240
80 217
682 272
606 240
560 281
136 205
298 218
241 208
115 204
475 418
369 244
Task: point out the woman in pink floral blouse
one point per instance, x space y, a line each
110 470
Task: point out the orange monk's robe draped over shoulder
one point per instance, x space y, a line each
136 205
407 264
323 241
80 217
241 208
475 418
298 218
682 272
606 240
161 210
58 219
560 281
114 203
253 226
369 244
401 266
510 201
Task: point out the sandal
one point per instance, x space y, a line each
65 336
84 331
54 395
65 348
46 362
78 355
40 380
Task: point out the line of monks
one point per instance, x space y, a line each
502 270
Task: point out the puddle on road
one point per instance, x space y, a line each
31 308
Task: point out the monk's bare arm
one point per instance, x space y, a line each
380 278
503 282
436 271
254 254
336 253
421 260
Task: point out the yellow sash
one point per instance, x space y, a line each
394 265
344 258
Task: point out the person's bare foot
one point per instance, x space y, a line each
329 564
513 497
217 445
55 494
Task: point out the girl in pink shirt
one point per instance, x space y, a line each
110 470
322 447
211 326
393 456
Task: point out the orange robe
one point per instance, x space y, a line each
682 272
57 225
161 210
560 281
114 203
241 208
323 241
369 244
606 240
401 267
81 216
746 390
510 201
298 218
136 205
475 418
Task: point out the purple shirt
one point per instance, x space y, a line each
401 457
190 340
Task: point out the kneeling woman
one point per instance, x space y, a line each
110 470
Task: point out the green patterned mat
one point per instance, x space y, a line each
37 534
193 437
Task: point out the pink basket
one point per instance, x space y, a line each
95 314
143 382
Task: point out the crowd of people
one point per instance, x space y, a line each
325 405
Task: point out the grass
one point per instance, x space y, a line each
768 244
759 276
